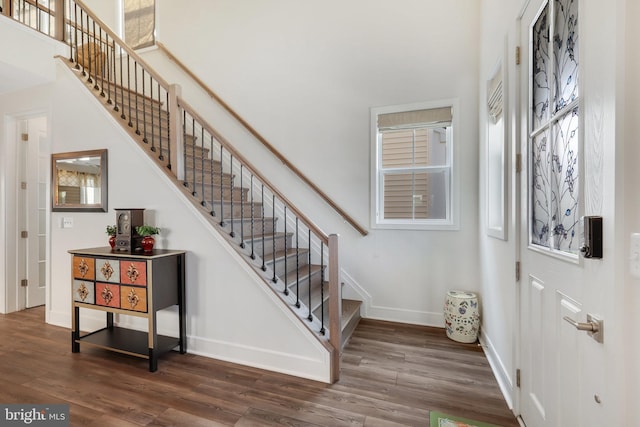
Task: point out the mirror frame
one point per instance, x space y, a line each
95 207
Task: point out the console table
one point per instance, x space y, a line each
131 283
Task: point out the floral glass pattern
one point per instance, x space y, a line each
540 63
564 185
541 182
554 132
565 50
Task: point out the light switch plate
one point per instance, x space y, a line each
67 222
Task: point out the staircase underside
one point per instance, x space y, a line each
259 239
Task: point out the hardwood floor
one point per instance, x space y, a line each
391 375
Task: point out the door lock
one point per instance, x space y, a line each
594 326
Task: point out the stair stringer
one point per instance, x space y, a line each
252 266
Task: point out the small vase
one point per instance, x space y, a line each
147 243
112 242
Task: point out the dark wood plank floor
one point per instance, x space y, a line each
391 375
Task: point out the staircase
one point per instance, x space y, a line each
288 251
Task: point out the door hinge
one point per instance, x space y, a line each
23 185
517 55
518 378
518 163
24 234
25 137
517 270
24 283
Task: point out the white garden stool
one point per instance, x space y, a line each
462 316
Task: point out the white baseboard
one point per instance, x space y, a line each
501 373
284 363
313 369
352 289
90 320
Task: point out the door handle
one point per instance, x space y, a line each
594 326
589 326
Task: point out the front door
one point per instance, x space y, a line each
555 282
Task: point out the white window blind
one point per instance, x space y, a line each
494 97
139 23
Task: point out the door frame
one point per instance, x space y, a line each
10 292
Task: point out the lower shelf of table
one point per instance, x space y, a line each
128 341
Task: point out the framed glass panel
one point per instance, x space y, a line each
554 133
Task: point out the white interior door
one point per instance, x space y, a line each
553 283
33 173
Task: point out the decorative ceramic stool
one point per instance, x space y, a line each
461 316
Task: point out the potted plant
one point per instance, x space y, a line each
147 232
111 232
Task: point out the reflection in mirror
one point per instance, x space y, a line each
79 181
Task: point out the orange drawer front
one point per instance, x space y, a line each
133 298
108 295
83 268
133 273
83 292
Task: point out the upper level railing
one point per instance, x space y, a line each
292 254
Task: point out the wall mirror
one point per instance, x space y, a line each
79 181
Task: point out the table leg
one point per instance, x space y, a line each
75 331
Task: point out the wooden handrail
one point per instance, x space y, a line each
247 165
363 231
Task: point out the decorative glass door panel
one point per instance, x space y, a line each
554 146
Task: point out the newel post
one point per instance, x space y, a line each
176 137
60 20
335 307
6 7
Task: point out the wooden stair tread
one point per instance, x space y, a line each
290 252
350 308
290 278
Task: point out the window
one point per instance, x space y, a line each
139 17
413 164
554 129
496 165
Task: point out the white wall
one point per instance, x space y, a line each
305 76
498 256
